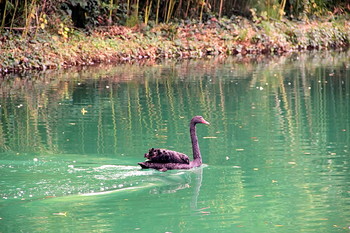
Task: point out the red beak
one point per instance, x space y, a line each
205 122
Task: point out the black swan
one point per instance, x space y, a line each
164 160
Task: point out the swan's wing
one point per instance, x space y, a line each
177 156
158 155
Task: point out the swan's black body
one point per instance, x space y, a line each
163 160
157 155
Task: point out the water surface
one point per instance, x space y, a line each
276 153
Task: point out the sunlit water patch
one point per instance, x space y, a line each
45 177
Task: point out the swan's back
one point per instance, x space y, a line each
157 155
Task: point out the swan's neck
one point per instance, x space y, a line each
195 147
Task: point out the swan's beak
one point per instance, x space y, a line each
205 122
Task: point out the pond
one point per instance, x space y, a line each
276 153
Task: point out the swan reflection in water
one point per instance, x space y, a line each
182 180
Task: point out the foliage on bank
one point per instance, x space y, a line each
193 40
27 14
50 34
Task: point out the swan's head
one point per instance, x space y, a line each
199 119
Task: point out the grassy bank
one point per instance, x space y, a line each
237 36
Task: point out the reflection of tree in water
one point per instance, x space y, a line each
122 99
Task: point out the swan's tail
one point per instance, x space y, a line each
158 166
143 165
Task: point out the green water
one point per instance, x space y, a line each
276 152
